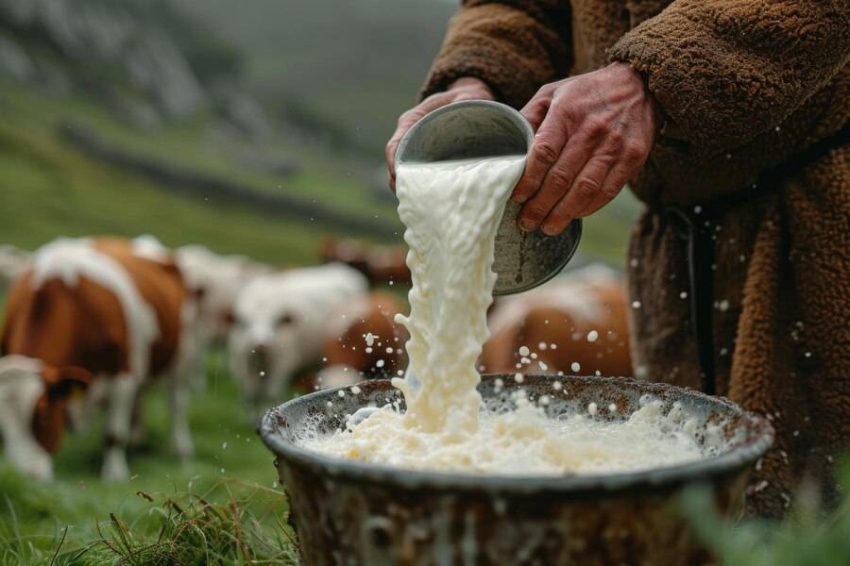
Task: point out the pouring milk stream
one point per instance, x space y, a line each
452 210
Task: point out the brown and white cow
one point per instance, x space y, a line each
575 324
105 306
363 342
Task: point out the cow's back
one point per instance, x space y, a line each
80 325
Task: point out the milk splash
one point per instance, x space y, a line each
452 211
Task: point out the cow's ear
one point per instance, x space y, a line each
66 381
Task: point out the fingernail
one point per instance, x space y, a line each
527 225
550 230
520 198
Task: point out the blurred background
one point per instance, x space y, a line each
254 127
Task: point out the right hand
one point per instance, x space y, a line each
466 88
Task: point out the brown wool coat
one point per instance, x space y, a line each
745 85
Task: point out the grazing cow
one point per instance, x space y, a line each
280 327
380 264
577 323
33 402
97 304
13 261
363 341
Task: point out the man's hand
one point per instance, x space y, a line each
467 88
594 133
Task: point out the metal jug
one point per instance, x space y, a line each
481 128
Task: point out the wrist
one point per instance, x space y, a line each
641 82
471 83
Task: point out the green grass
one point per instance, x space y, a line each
50 190
228 489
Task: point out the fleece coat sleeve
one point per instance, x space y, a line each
515 46
725 71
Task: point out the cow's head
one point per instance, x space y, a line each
265 351
33 400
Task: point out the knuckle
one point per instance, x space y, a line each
559 180
616 138
634 151
611 191
545 152
595 126
535 210
586 188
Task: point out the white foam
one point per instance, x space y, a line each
515 437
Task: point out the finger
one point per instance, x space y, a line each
584 190
405 122
630 160
535 111
556 183
548 144
614 183
536 108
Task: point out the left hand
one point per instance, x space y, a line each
594 133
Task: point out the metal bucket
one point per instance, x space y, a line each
347 512
481 128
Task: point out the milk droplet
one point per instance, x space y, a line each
524 351
379 363
553 346
542 346
575 366
723 305
370 339
592 409
634 262
389 350
224 445
636 304
356 390
368 349
592 336
683 295
341 393
612 408
533 355
557 386
519 378
544 400
543 366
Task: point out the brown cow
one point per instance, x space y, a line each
105 306
364 342
576 324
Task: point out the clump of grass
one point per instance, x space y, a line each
221 526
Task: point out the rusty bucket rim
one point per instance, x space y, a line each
731 462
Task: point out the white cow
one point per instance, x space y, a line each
215 280
280 326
